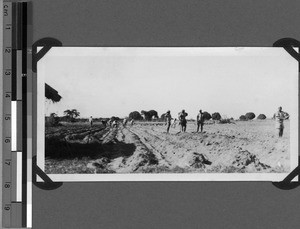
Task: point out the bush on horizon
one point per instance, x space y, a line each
243 118
250 115
216 116
261 116
206 115
149 115
52 120
135 115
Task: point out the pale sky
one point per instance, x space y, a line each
105 82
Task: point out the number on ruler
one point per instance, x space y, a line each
7 140
7 185
7 118
7 95
5 10
7 162
7 50
7 72
7 207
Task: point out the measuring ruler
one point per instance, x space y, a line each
14 113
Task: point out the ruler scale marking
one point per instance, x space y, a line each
23 109
15 158
7 63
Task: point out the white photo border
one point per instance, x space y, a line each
84 51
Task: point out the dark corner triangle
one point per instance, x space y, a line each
48 184
47 43
287 183
288 44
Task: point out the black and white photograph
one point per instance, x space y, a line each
162 113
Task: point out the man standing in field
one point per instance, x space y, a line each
174 123
200 121
182 120
91 121
168 120
131 122
115 124
280 116
104 122
125 122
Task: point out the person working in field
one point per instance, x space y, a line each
200 121
115 123
174 123
91 121
131 122
280 116
182 120
168 120
125 122
104 122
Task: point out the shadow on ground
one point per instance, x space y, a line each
57 149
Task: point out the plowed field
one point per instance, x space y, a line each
251 146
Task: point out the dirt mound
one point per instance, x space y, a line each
199 160
244 159
146 159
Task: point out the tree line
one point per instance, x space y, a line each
153 115
72 115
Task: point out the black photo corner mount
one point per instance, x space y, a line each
289 44
46 43
48 184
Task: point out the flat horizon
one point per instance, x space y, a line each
106 82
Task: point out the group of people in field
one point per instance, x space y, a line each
183 121
279 116
111 122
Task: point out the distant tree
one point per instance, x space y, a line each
145 115
250 115
243 118
135 115
163 117
71 114
148 115
113 118
53 120
206 115
261 116
216 116
153 114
